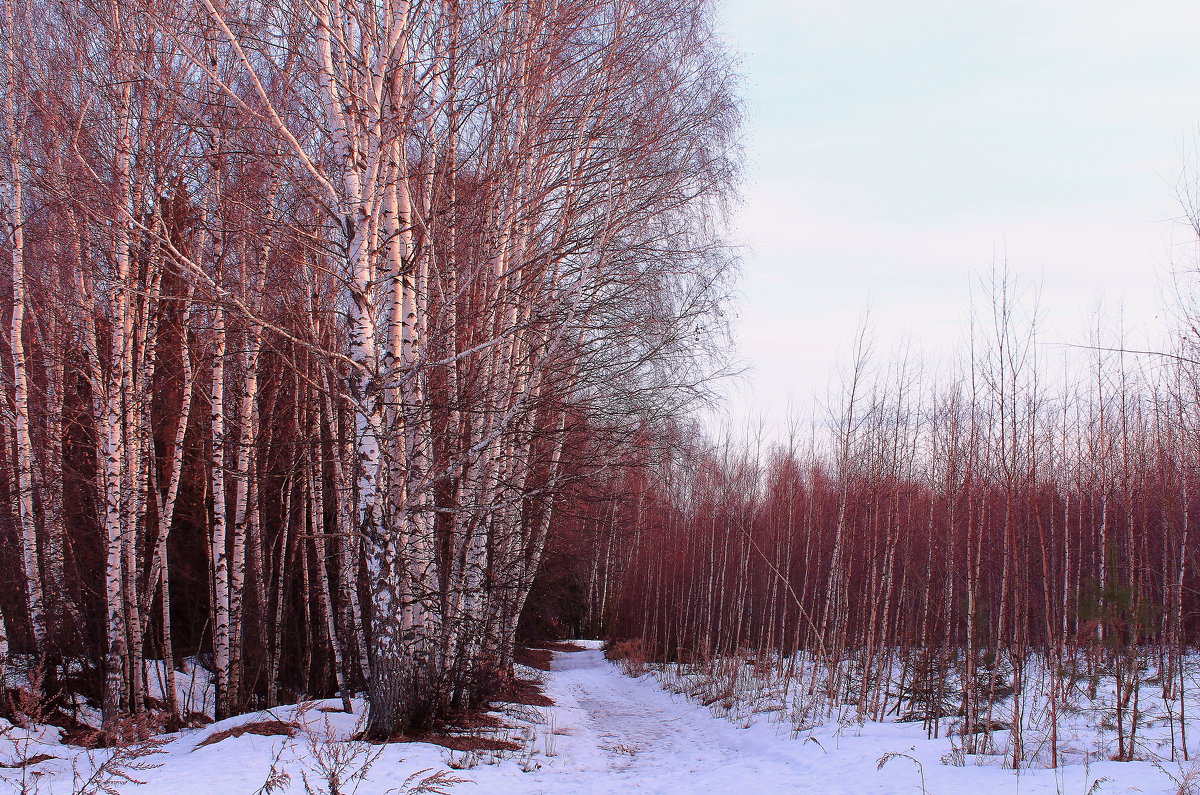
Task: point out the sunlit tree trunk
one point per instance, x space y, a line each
22 442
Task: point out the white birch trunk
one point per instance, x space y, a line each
218 550
243 510
22 437
113 422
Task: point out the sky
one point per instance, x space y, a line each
896 150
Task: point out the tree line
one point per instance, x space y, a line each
948 547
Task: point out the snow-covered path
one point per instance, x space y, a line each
620 734
629 734
607 733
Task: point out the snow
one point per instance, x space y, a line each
608 733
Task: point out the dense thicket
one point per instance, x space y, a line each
321 310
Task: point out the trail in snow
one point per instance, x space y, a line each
607 733
630 735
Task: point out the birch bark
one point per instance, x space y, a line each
218 542
115 418
14 222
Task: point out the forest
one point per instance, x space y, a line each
354 347
321 315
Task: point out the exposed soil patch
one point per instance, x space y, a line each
565 646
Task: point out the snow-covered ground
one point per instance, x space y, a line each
608 733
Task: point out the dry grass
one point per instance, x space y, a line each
470 731
524 691
534 658
629 654
476 719
123 731
540 656
465 742
263 728
33 760
84 737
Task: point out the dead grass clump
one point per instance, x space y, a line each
475 719
534 658
83 737
629 654
122 731
466 742
263 728
33 760
564 646
524 691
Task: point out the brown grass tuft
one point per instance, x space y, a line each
33 760
83 737
464 742
630 654
263 728
524 691
534 658
470 720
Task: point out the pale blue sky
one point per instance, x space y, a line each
893 147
